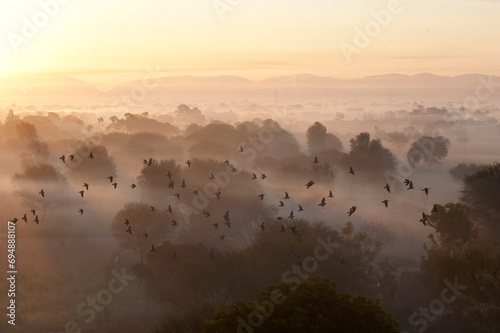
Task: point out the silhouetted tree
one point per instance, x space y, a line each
287 307
428 149
316 137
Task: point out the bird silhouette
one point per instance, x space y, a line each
33 211
300 208
169 175
261 196
86 186
174 223
352 210
426 190
129 229
216 225
222 237
91 156
114 185
290 252
241 149
145 235
111 179
282 228
171 184
217 194
434 209
385 202
315 160
263 176
71 157
152 248
281 204
309 184
81 211
388 188
212 176
211 253
228 224
195 191
322 203
169 209
178 195
152 208
81 193
63 158
183 184
424 219
25 218
351 171
286 196
254 176
14 220
262 226
410 185
42 193
36 219
133 186
330 195
407 182
291 215
127 222
188 162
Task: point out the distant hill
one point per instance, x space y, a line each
292 88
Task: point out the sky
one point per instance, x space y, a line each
109 42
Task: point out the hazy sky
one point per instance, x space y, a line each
106 42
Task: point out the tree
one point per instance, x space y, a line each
370 157
310 306
316 137
156 224
459 172
431 150
481 191
333 142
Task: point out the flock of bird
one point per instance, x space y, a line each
171 184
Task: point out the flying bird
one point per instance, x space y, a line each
217 194
385 202
127 222
309 184
63 159
86 186
426 190
169 209
152 208
424 219
407 181
81 211
262 226
261 196
216 225
25 218
111 179
286 196
330 195
195 191
212 176
281 204
14 220
33 211
388 188
81 193
263 176
152 248
222 237
341 259
114 185
91 156
36 219
174 223
42 193
183 184
352 210
211 253
410 185
169 175
188 162
323 203
316 160
129 229
145 235
178 195
254 176
300 208
71 157
291 215
133 186
241 149
351 171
